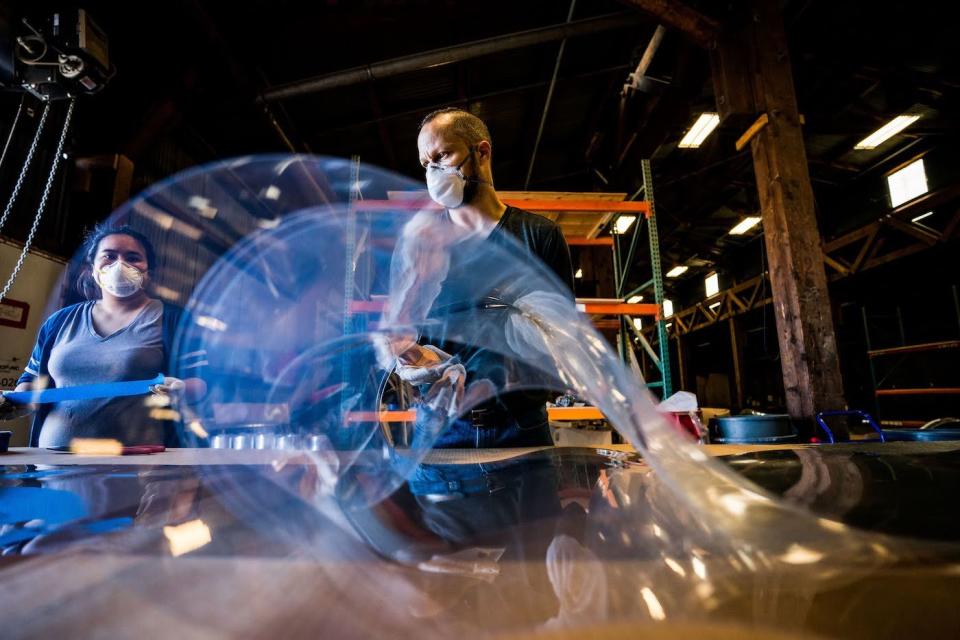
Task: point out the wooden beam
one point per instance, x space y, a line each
923 235
754 129
673 13
837 264
808 346
734 298
951 226
850 238
599 226
606 241
865 248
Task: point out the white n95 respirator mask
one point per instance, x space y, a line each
120 279
448 186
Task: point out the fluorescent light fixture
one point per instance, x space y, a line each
704 125
677 271
712 284
922 216
634 299
745 225
624 223
667 308
578 274
886 132
638 323
714 305
907 183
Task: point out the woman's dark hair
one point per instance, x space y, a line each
85 283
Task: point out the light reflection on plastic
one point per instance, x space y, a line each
734 504
166 292
653 604
96 447
675 567
798 554
209 322
699 568
202 206
187 537
197 429
167 222
704 590
164 414
155 400
831 525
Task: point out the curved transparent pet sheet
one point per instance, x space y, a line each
350 335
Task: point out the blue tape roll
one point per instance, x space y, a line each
84 391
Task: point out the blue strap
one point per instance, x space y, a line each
84 391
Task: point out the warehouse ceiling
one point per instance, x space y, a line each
202 79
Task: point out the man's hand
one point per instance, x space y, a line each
409 352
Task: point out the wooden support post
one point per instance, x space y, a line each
808 347
737 354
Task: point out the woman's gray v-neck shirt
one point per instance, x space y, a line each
81 356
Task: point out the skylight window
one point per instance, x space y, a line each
907 183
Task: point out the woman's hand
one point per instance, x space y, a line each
12 410
171 387
175 389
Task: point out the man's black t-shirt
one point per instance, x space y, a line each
543 239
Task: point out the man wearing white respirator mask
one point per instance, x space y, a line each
455 151
119 334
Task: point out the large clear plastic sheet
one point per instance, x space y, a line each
308 280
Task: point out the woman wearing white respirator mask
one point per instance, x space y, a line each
119 334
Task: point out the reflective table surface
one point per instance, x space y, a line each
210 544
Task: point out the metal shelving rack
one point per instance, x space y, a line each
902 356
624 247
901 353
622 266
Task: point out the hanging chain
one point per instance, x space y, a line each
43 198
13 129
26 166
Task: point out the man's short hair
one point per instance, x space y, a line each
463 123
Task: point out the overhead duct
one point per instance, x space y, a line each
449 55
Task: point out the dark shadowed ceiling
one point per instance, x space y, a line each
199 80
